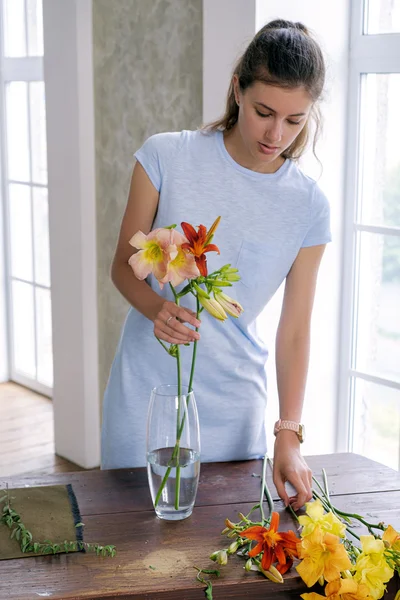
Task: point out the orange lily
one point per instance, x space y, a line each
341 589
199 243
276 546
323 555
391 538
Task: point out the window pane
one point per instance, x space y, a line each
382 16
14 28
379 197
21 231
17 131
23 320
376 425
44 339
38 132
41 236
35 27
378 306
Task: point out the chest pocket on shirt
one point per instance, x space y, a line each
257 262
262 271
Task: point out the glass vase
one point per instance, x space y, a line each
173 451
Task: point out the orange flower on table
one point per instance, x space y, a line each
341 589
323 555
277 546
391 537
199 243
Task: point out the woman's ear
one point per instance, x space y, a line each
235 83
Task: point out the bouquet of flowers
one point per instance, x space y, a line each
173 258
323 551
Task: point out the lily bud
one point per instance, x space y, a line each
200 290
272 574
214 555
233 547
232 534
248 564
231 277
231 306
226 530
213 307
229 524
222 558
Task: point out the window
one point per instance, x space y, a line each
24 194
369 421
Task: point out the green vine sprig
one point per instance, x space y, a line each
13 521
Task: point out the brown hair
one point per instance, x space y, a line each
283 54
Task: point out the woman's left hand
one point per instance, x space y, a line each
289 465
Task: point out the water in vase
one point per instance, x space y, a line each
158 461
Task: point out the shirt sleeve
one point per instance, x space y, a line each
156 154
319 231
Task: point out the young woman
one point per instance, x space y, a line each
274 226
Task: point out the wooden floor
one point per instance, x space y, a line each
26 434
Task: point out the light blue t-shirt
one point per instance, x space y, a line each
266 220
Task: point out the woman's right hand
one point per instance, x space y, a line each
168 324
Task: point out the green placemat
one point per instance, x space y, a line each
48 512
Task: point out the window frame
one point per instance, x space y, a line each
369 53
26 69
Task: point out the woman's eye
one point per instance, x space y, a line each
260 114
294 122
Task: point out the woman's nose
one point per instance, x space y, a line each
274 132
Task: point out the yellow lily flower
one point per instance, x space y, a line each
322 554
341 589
371 567
317 516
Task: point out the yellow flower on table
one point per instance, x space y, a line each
323 555
341 589
371 567
317 516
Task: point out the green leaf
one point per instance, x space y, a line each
208 591
211 572
151 567
171 226
80 525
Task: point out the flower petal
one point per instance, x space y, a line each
256 550
254 533
189 232
267 558
211 248
274 524
140 267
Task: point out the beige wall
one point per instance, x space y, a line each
147 79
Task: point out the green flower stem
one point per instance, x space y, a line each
180 424
190 387
262 489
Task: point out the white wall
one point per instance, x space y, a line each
68 75
4 366
330 23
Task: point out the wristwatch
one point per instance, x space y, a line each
298 428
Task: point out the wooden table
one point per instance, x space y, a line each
116 509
